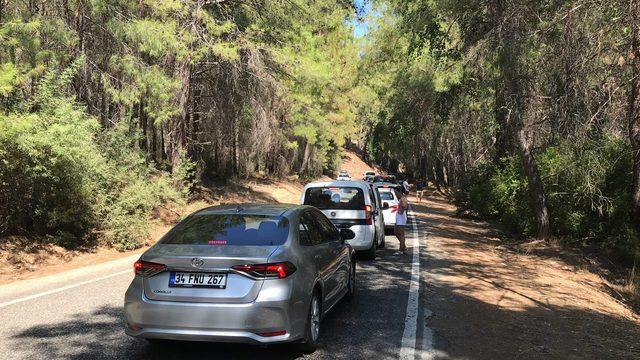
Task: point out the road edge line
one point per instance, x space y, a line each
54 291
408 345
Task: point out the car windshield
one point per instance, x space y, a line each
335 198
229 229
386 195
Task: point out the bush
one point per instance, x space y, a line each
60 178
498 193
588 194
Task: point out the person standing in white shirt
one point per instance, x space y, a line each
401 222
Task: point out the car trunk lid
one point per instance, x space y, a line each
205 259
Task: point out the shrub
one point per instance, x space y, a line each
63 179
588 194
498 193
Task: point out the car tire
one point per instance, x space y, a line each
371 253
312 327
157 342
382 243
351 284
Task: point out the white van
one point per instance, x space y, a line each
369 176
350 205
389 194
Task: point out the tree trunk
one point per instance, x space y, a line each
536 189
502 133
510 32
634 110
436 179
235 150
445 175
305 157
515 107
179 124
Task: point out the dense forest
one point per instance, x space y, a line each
112 107
528 111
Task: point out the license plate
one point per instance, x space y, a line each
198 280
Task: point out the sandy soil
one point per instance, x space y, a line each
529 305
24 259
355 166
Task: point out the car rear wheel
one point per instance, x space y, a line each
312 330
351 285
371 253
382 243
157 342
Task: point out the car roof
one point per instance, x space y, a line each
342 183
385 188
385 185
251 209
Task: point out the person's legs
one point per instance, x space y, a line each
399 230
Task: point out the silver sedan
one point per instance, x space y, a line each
251 273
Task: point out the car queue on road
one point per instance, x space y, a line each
259 274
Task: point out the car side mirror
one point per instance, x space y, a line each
347 234
385 206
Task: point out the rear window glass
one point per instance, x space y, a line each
229 229
335 198
386 195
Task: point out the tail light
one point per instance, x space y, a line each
368 211
267 271
147 268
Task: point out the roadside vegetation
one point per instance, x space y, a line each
528 110
109 109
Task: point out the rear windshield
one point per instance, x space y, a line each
386 195
335 198
229 229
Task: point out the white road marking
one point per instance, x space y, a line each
45 293
428 352
408 347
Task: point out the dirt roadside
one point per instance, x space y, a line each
21 259
529 306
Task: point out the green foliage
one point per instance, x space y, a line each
588 194
70 182
498 193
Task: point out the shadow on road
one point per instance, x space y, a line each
484 306
369 327
490 303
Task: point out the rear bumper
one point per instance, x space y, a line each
218 322
207 335
363 239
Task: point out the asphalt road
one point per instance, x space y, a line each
78 315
